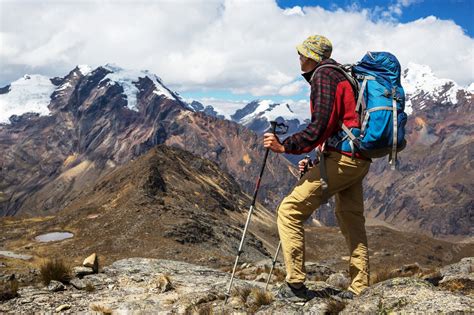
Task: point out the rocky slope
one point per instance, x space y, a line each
97 119
137 285
167 203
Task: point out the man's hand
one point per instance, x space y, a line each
302 165
270 141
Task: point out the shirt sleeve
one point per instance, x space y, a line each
323 91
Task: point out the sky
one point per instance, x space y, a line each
228 51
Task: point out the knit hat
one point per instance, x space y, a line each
316 47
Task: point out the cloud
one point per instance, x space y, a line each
241 46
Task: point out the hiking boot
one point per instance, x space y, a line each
345 295
288 293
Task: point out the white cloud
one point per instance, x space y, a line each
242 46
292 88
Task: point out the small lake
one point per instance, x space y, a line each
53 236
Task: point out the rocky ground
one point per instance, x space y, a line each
144 285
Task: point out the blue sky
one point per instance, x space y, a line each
230 50
460 11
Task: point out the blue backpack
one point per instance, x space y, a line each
380 106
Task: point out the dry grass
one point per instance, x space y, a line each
89 287
278 275
103 309
164 283
409 270
335 307
203 309
55 269
464 286
8 290
261 297
242 293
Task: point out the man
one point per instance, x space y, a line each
332 101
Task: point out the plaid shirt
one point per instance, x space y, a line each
323 92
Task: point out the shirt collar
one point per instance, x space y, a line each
308 75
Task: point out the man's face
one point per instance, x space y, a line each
307 64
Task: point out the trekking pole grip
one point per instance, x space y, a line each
273 127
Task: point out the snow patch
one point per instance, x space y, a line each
84 69
420 80
287 110
128 78
32 93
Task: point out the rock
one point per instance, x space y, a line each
2 265
78 283
187 289
317 272
82 271
55 286
460 269
164 284
262 277
92 261
458 277
338 280
408 295
63 307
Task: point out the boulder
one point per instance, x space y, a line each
78 283
338 280
80 271
408 295
55 286
92 261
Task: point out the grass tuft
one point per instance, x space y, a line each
335 307
464 286
8 290
261 297
89 287
203 309
165 284
101 309
55 269
242 293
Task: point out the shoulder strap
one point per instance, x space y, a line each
341 69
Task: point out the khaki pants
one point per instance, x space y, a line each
345 181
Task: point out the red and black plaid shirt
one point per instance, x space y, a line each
322 98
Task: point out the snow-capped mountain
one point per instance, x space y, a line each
420 83
33 93
93 120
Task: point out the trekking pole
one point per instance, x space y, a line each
274 125
307 165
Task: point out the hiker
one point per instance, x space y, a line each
340 173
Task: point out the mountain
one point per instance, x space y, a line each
95 120
166 203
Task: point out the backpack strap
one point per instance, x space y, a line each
324 176
353 142
392 160
360 98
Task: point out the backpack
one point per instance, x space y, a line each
380 106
